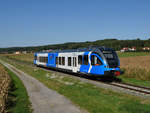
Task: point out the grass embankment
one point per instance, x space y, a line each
18 100
88 96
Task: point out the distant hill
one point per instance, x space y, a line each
112 43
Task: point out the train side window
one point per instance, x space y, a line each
80 59
75 62
46 59
59 60
69 61
63 60
43 59
40 60
35 57
56 60
95 60
86 60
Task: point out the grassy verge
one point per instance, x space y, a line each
88 96
18 100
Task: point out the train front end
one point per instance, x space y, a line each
106 62
112 62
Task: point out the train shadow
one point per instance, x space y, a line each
106 79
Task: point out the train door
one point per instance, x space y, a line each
79 62
51 61
85 66
97 64
56 61
75 68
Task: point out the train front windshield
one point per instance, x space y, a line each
112 58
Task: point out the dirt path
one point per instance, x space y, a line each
43 99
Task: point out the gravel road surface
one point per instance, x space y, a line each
43 99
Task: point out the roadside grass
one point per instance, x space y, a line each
18 100
87 96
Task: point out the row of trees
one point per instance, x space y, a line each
112 43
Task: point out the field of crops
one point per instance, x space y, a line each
4 84
136 67
23 57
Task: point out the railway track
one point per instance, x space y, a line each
116 86
130 87
139 89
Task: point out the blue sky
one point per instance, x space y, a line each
42 22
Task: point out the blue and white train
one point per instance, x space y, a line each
92 61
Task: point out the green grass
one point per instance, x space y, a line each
88 96
18 100
132 54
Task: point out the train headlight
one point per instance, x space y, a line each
117 73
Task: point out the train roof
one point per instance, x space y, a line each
101 48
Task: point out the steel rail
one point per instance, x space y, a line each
139 89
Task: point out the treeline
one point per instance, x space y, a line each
112 43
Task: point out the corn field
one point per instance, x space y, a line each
4 85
